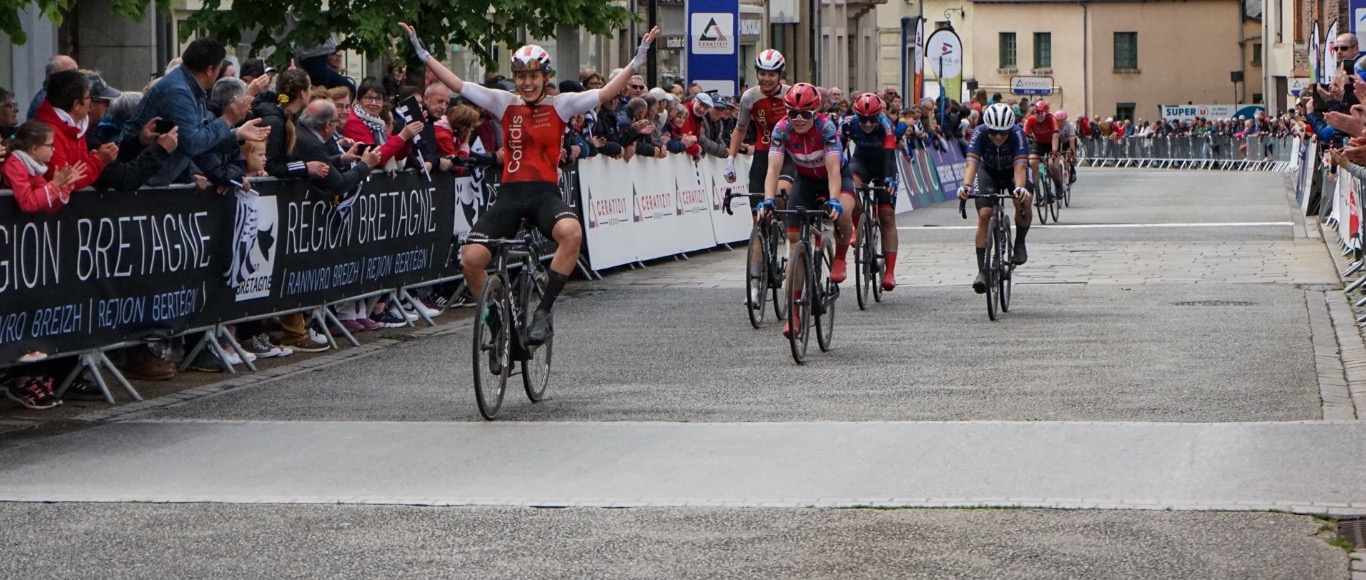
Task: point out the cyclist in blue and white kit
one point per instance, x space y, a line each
999 150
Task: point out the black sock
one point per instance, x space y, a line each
981 259
1020 236
552 290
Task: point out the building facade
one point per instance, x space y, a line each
1118 57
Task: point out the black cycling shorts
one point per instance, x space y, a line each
812 193
758 172
873 173
1041 149
989 184
536 202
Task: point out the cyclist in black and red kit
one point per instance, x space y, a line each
533 130
874 161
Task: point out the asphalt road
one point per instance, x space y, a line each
1181 302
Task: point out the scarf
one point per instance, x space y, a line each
375 124
81 126
31 164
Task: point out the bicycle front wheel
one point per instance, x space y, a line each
1067 193
492 346
536 365
992 264
1041 201
879 261
1055 201
824 295
1005 249
756 276
776 252
864 263
799 306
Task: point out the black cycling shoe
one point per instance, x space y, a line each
980 284
1021 256
541 329
83 389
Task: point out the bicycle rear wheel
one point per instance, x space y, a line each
776 250
864 263
492 347
798 306
992 264
756 276
1041 201
1067 192
536 366
824 295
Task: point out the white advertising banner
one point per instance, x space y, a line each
1190 112
727 229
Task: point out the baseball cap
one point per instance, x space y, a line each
99 90
663 95
704 99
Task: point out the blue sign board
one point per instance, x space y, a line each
1357 13
713 45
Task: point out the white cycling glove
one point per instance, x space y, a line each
641 52
1021 192
421 51
730 170
963 191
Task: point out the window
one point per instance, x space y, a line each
1258 98
1124 111
1007 50
1126 51
1043 50
1256 54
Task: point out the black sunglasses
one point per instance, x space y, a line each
872 119
637 86
1342 47
993 133
805 115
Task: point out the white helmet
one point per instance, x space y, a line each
998 117
770 60
530 58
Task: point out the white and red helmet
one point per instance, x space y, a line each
1060 115
532 58
770 60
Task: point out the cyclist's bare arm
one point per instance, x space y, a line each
775 167
737 138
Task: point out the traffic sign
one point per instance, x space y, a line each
1034 86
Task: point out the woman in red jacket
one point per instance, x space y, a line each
366 125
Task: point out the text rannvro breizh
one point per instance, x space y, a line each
356 271
31 253
316 226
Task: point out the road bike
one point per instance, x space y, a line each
765 264
810 293
505 306
999 264
869 263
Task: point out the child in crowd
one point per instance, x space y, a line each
24 168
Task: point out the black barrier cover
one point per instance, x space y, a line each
111 267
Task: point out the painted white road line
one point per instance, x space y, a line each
1107 226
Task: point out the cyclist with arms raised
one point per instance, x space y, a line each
811 141
533 129
997 157
874 161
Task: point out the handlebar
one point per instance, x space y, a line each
963 203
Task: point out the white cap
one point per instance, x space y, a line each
704 99
663 95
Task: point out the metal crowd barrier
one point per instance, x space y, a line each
1263 153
